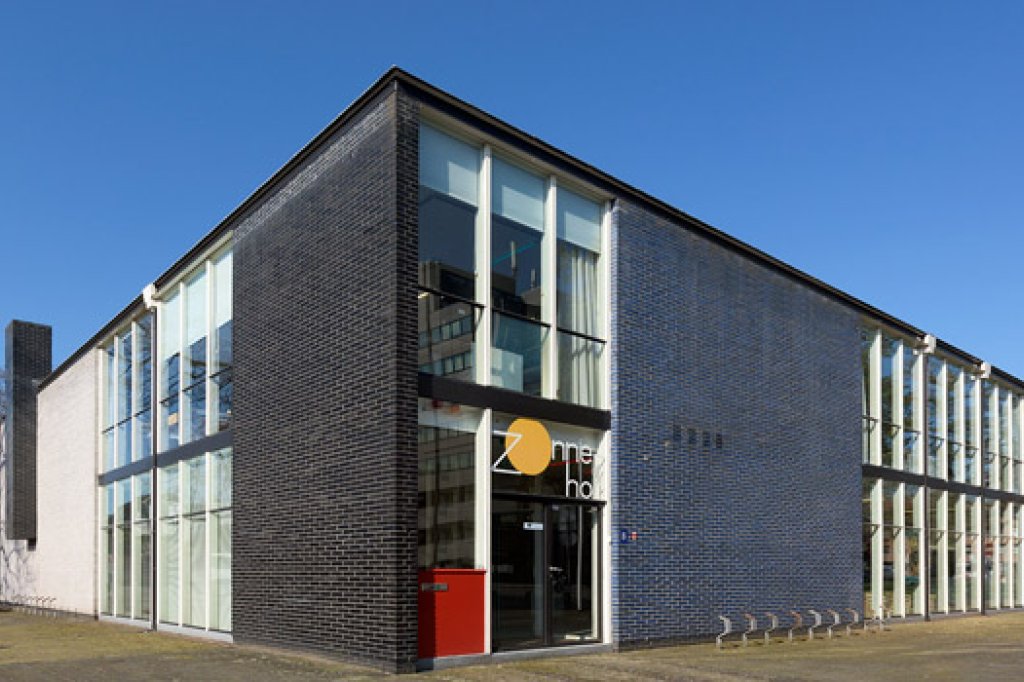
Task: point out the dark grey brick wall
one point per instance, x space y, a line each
28 360
325 476
736 437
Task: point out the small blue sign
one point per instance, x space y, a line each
623 536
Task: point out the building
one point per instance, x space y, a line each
437 388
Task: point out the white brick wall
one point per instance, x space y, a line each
63 564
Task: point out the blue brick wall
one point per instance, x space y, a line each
736 442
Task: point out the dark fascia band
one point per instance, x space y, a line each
875 471
512 402
217 441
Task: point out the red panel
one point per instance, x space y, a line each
451 612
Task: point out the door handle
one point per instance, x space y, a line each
556 569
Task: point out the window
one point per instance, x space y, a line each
196 354
194 573
126 390
522 283
447 485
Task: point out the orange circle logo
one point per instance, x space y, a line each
528 446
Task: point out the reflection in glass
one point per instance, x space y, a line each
448 199
517 227
516 354
447 336
446 497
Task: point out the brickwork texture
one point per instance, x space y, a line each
325 459
28 360
736 442
65 553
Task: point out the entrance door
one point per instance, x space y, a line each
544 586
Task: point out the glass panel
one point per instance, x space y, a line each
108 449
954 448
170 360
225 398
572 573
195 486
518 575
991 544
1005 563
143 569
912 585
971 570
107 516
222 272
578 292
107 603
891 386
144 343
220 479
447 451
124 376
447 213
516 272
935 433
144 443
222 340
220 567
517 194
195 326
143 497
970 402
124 548
169 575
579 370
195 400
447 336
955 570
910 436
124 442
110 386
448 165
516 355
194 585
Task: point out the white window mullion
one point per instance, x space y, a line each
605 300
875 376
549 288
482 526
211 314
207 465
483 269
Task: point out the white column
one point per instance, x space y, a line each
549 287
875 391
483 269
482 527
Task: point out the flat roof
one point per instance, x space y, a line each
431 95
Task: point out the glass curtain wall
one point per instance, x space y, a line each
972 551
192 363
510 275
126 548
126 395
195 354
194 580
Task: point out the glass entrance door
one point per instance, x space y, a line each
544 577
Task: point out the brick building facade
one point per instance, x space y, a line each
438 389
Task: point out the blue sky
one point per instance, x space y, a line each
878 146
